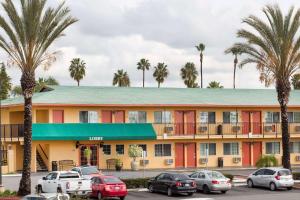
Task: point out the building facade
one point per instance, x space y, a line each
177 128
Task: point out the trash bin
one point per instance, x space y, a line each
54 165
220 162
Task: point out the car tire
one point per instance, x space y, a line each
122 198
59 190
150 188
250 183
223 192
273 186
39 189
99 196
190 194
289 188
206 190
169 192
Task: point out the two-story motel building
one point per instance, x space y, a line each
177 127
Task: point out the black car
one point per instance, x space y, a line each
172 183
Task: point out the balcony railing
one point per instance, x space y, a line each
12 132
244 129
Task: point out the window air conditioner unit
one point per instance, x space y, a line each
203 129
268 128
169 161
297 128
236 128
203 160
297 158
236 159
144 162
168 129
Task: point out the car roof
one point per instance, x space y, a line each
274 168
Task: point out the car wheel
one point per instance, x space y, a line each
99 196
289 188
224 192
122 198
250 183
59 190
39 189
206 189
272 186
190 194
150 188
170 193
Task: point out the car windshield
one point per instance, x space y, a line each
181 177
111 180
89 170
68 175
284 172
216 175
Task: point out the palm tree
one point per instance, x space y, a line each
160 73
77 70
214 84
235 52
296 81
121 79
28 31
189 75
274 46
143 65
42 82
201 48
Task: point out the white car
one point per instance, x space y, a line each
47 196
87 172
69 182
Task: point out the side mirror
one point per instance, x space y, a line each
44 178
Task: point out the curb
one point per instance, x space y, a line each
11 175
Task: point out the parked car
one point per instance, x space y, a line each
69 182
108 186
172 183
46 196
273 178
87 172
208 181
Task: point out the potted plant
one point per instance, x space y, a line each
87 154
134 151
118 165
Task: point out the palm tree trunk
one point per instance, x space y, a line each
234 71
158 84
28 84
201 59
283 92
143 78
78 83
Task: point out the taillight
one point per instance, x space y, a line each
178 184
194 184
214 182
68 185
277 177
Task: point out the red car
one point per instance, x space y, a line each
108 186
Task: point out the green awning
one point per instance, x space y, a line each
89 131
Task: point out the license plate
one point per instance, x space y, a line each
117 188
187 185
223 182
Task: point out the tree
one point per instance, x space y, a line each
160 73
16 91
235 52
5 83
273 45
214 84
201 48
296 81
77 70
28 31
189 75
121 79
143 65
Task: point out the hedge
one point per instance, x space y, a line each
296 175
8 193
136 183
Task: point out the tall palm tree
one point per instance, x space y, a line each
77 70
189 75
296 81
143 65
214 84
274 46
121 79
235 52
28 31
160 73
201 48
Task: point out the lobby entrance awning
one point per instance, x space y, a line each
89 131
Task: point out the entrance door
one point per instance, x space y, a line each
246 122
119 116
179 155
191 155
93 156
257 151
246 148
58 116
256 119
106 116
179 119
190 122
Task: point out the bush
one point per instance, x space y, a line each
230 176
8 193
136 183
296 175
267 161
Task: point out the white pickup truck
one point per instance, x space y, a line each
69 182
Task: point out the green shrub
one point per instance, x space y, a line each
296 175
136 183
8 193
267 161
230 176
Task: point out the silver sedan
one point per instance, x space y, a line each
208 181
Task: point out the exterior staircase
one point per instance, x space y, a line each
41 166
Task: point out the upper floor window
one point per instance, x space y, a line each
230 117
272 147
295 147
231 148
88 117
161 117
272 117
294 117
137 116
208 117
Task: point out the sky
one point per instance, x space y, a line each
116 34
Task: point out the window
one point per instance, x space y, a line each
120 149
230 117
107 149
272 147
137 116
269 172
211 147
231 148
162 150
295 147
88 117
272 117
294 117
144 147
161 117
208 117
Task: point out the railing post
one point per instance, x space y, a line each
11 132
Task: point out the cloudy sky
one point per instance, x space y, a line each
115 34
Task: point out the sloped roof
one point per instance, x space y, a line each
91 95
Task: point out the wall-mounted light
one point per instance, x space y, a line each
77 144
